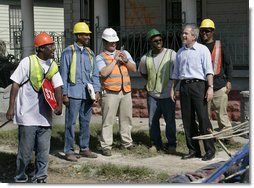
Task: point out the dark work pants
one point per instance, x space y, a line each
193 101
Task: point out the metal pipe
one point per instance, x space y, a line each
27 15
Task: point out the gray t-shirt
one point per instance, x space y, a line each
157 59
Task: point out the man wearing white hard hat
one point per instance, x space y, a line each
114 67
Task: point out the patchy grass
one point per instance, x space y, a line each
141 139
104 173
110 173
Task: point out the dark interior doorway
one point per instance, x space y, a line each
113 13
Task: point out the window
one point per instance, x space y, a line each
15 27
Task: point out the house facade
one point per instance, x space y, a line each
48 16
132 19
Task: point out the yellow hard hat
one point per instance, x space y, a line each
81 27
207 23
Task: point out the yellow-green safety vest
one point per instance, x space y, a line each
157 81
73 66
37 75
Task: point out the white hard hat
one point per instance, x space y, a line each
110 35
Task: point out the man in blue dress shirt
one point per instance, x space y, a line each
193 68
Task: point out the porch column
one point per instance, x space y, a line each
100 21
189 11
27 14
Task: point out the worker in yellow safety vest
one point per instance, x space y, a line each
31 112
156 67
80 90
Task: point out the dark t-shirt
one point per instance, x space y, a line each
225 75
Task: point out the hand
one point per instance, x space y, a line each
209 94
117 56
172 95
97 96
228 86
66 100
58 110
10 113
124 57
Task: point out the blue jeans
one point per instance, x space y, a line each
33 138
156 108
84 109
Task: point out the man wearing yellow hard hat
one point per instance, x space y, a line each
80 77
222 66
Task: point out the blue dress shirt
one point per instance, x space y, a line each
193 63
83 69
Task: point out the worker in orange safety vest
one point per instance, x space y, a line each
222 66
114 66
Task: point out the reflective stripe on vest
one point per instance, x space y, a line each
157 81
36 75
73 66
216 57
119 77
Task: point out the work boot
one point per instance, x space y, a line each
170 150
71 157
106 152
88 153
131 147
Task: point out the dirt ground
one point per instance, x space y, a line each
170 164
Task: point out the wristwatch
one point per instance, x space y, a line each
210 86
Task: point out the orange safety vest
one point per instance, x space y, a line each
119 77
216 57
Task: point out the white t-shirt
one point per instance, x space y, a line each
31 108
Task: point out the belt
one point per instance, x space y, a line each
188 81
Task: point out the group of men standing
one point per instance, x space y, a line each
84 78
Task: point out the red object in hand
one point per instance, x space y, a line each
49 94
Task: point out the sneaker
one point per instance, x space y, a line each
39 180
153 149
88 153
106 152
71 157
42 180
21 180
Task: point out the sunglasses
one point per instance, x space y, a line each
205 30
156 41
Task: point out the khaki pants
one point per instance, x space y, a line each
219 105
113 102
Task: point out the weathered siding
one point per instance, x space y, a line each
232 26
48 19
228 11
144 12
4 25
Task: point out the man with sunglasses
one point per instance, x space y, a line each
222 66
114 66
156 67
31 112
